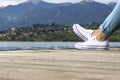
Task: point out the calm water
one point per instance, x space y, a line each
43 45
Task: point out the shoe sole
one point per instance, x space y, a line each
78 33
92 48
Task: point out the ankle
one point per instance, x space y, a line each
99 35
101 38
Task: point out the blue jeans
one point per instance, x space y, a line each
112 22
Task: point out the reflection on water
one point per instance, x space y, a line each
43 45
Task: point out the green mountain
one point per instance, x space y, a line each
28 13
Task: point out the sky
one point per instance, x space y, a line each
4 3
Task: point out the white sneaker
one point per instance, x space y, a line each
93 43
82 33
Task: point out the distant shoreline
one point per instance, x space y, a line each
48 32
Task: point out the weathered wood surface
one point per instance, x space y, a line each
60 65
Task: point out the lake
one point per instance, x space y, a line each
43 45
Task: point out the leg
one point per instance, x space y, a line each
112 22
110 25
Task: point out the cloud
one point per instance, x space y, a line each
15 2
10 2
106 1
62 1
74 1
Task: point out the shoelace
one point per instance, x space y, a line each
87 34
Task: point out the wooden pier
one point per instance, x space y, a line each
60 65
